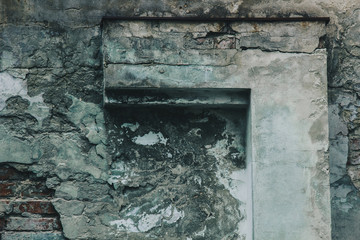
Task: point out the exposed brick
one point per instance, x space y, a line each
36 190
29 195
7 189
25 189
32 236
225 43
32 224
8 173
36 207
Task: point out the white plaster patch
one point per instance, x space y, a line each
125 225
113 180
10 86
147 222
150 138
132 127
233 180
175 215
16 86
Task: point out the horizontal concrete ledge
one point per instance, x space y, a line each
232 19
182 97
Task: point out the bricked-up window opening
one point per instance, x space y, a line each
26 211
287 125
179 161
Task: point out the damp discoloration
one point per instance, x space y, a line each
180 171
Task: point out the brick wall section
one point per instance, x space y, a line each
26 211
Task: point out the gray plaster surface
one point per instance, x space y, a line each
50 55
289 127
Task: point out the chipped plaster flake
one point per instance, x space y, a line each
121 175
10 86
150 138
132 127
176 215
121 179
125 225
113 180
167 212
117 180
120 166
149 222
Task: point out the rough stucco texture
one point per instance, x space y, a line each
52 122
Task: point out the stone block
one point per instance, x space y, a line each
286 37
215 57
122 75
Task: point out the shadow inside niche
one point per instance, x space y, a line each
180 159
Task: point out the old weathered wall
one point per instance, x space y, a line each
51 112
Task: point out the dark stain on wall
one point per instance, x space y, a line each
169 158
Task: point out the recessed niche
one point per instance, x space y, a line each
179 158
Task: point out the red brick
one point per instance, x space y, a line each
36 207
32 224
36 190
7 189
25 189
225 43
